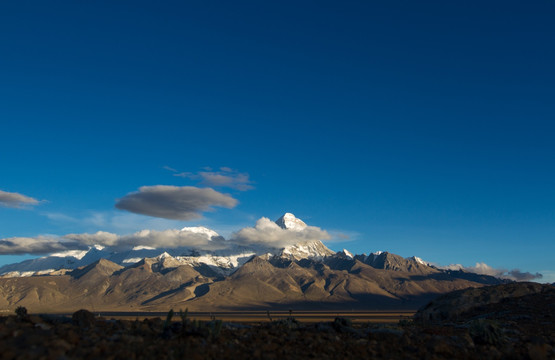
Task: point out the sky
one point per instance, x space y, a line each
419 128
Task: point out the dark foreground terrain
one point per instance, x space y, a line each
511 321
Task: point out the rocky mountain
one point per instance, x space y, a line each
304 275
156 284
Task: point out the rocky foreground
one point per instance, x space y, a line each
510 321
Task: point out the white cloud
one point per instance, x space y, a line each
174 202
156 239
268 233
16 200
171 238
265 232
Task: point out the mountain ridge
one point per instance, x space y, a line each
224 261
258 284
303 275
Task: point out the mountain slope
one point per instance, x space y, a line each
259 283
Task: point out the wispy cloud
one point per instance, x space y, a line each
225 177
338 236
174 202
169 168
16 200
112 221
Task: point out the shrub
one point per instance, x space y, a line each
21 312
486 332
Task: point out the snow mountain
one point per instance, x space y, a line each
222 262
227 259
303 274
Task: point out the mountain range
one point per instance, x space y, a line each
301 275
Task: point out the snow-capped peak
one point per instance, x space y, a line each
348 253
288 221
209 233
419 260
164 255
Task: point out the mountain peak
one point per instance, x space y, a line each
101 267
164 255
346 253
288 221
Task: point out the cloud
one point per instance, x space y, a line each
169 168
34 245
16 200
517 275
338 236
99 238
174 202
225 177
484 269
171 238
54 216
158 239
112 221
268 233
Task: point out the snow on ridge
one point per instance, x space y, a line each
348 253
419 260
222 262
164 255
78 254
131 260
310 250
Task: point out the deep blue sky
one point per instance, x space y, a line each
421 128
